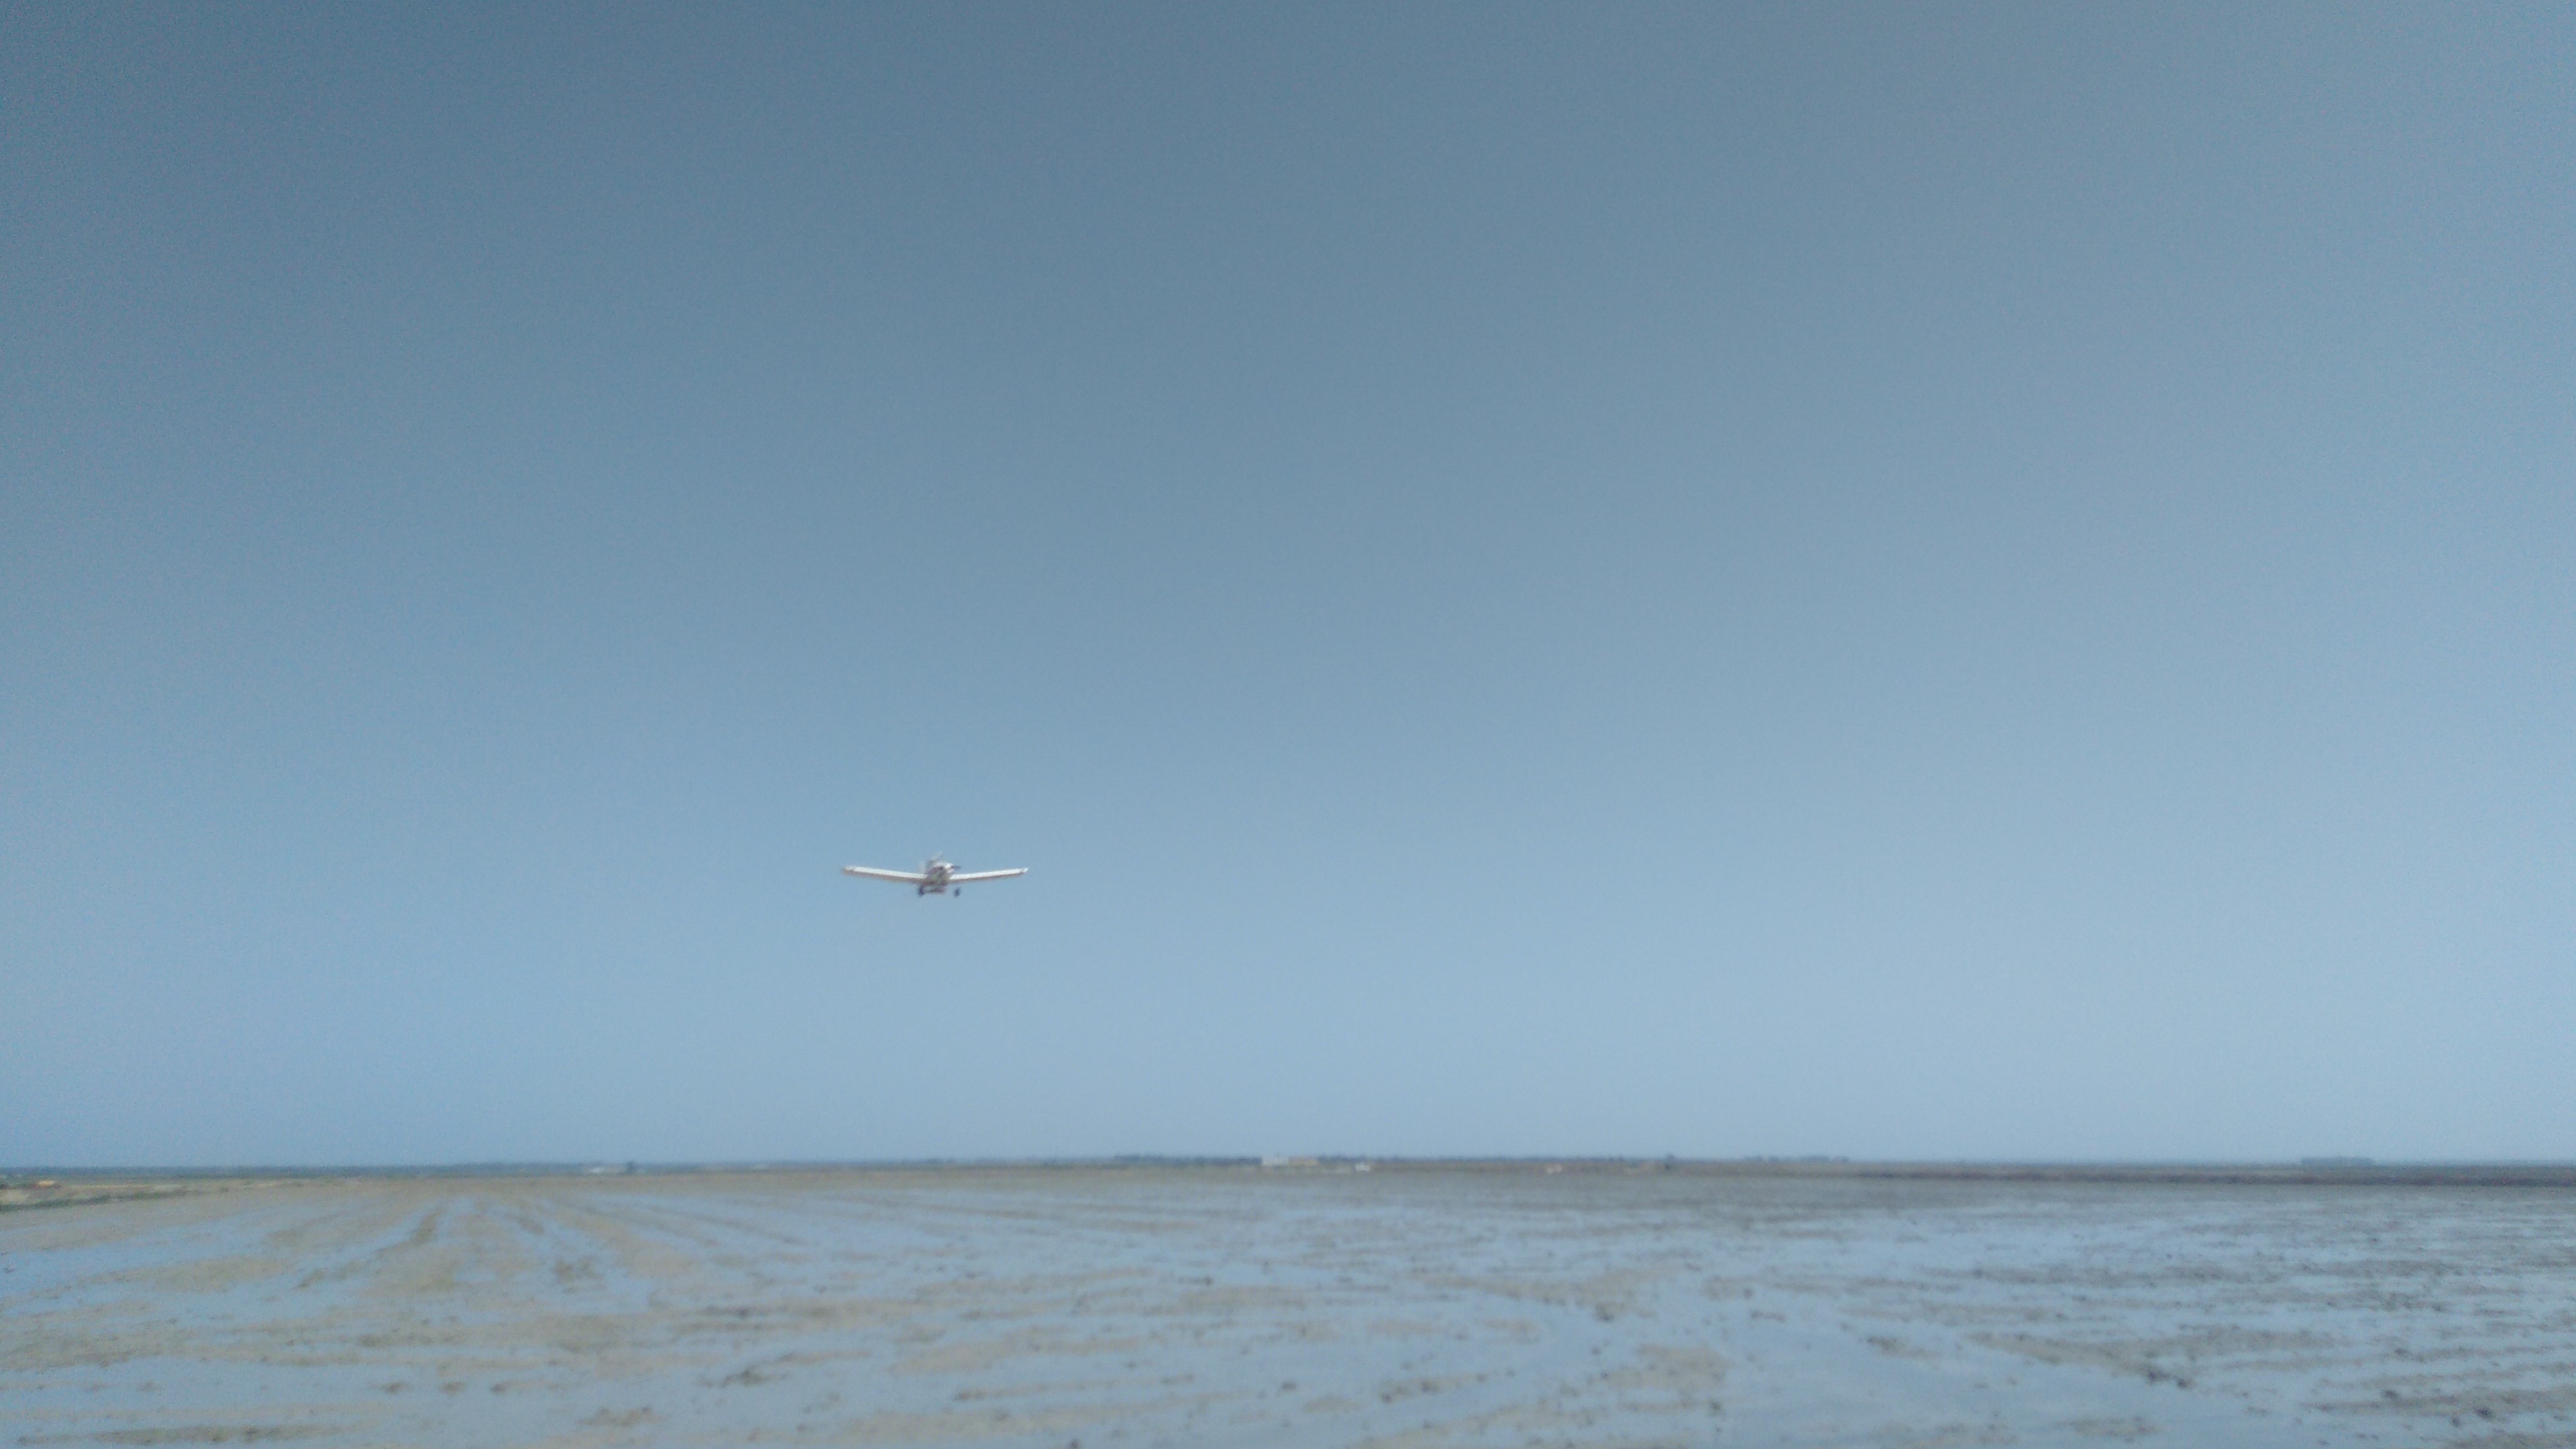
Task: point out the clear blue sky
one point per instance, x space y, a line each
1901 581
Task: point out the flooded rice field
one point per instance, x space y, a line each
1235 1307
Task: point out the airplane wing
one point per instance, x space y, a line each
962 878
908 877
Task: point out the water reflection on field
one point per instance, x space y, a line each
1230 1306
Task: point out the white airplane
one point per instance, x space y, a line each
935 878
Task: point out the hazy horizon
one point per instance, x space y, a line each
1972 583
1293 1160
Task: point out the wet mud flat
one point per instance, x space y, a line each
1220 1306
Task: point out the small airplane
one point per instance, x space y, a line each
935 878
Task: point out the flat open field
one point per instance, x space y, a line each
1220 1306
